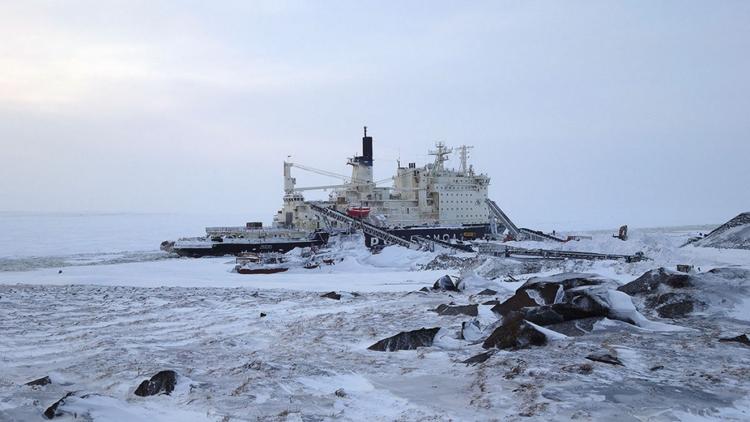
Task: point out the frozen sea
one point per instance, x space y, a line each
121 310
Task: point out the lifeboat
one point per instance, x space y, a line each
358 212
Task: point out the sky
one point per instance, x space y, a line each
585 114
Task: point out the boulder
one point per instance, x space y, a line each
575 328
515 333
470 310
653 279
742 338
40 382
676 310
605 358
549 286
480 358
731 273
548 291
407 340
487 292
514 303
331 295
161 383
53 411
446 283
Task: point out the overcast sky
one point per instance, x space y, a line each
585 114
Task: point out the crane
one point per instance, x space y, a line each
289 181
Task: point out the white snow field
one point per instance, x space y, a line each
104 325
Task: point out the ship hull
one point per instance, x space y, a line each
237 248
445 234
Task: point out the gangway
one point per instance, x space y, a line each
456 246
519 234
511 251
536 235
365 227
500 215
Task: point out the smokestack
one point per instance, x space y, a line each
367 148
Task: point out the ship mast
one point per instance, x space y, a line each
463 154
441 156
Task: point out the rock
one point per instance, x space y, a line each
262 314
331 295
40 382
548 291
162 382
742 338
731 273
52 411
407 340
515 333
656 368
583 368
471 330
480 358
651 280
424 289
470 310
576 327
492 302
340 392
676 310
516 302
445 283
684 268
487 292
548 286
605 358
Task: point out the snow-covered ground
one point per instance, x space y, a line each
102 326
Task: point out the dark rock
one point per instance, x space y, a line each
424 289
516 302
548 286
583 368
340 392
52 411
480 358
487 292
162 382
577 305
576 327
407 340
731 273
491 302
676 310
515 333
331 295
605 358
445 283
470 310
40 382
656 368
262 314
651 281
742 338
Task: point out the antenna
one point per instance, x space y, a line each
365 130
463 154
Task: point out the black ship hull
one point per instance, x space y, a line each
220 248
445 234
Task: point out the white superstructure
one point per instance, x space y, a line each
430 195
